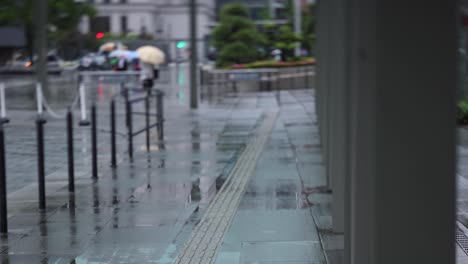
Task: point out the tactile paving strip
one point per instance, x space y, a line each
203 243
461 239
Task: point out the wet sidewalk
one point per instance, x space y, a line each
462 196
262 143
283 216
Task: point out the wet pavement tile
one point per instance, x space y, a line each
33 258
266 204
131 253
275 222
304 252
7 241
273 188
48 244
317 170
143 212
278 225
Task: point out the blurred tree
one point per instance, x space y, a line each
63 18
265 12
268 39
308 27
287 41
236 37
308 24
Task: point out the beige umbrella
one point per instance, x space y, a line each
151 55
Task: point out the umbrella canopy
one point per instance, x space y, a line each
118 53
151 55
110 46
132 55
129 55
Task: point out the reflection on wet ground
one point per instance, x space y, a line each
143 212
132 214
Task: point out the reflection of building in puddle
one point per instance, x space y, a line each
207 189
203 191
182 191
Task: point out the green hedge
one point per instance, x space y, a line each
274 64
462 112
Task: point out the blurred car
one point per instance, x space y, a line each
212 53
25 65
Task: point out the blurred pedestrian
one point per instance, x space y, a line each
122 64
277 54
147 75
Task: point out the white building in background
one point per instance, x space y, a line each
163 20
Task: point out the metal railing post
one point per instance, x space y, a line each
83 121
130 131
293 77
278 88
291 81
160 114
127 110
128 123
3 193
70 149
3 117
94 142
113 135
41 161
147 122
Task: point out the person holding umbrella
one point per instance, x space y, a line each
147 75
150 58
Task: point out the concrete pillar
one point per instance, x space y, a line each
322 77
403 84
338 112
115 23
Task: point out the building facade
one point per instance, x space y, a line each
259 9
16 40
162 20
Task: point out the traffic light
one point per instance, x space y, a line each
181 44
99 35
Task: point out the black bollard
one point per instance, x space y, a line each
41 161
94 142
3 194
160 114
127 105
130 131
128 123
70 148
147 122
113 137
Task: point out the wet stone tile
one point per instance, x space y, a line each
282 252
53 245
257 204
130 253
27 258
278 225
